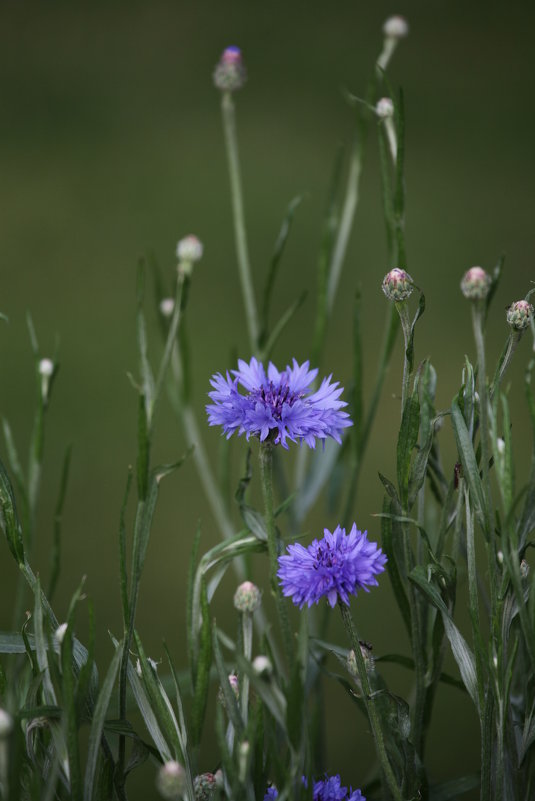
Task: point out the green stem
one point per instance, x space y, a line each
370 704
403 311
240 235
266 472
247 629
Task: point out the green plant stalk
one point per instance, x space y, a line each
403 311
240 235
247 630
505 361
266 474
369 702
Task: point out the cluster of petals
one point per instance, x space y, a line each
335 567
328 789
278 405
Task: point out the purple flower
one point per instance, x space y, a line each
328 789
277 405
335 566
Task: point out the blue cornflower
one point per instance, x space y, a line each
277 405
335 566
328 789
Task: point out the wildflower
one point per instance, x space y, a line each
384 108
277 405
189 249
328 789
519 314
397 285
247 597
171 780
230 73
396 27
336 567
476 284
204 786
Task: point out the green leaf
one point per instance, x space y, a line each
204 663
393 568
231 704
8 517
461 652
470 468
453 788
97 724
410 345
55 557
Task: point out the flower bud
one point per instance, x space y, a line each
397 285
500 445
6 723
46 368
204 786
167 307
476 284
247 597
499 557
396 27
524 569
384 108
189 249
171 780
59 634
519 315
262 666
230 73
235 687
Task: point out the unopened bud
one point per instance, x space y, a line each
235 687
171 780
247 597
397 285
204 786
500 446
499 557
189 249
519 314
475 284
46 367
167 307
59 634
384 108
396 27
6 723
230 73
262 666
524 569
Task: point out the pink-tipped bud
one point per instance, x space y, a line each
476 284
384 108
171 780
204 786
234 686
397 285
396 27
519 314
230 73
189 249
247 597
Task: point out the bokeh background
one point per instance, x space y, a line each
111 147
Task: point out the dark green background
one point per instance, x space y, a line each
111 145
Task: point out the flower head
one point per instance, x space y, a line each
247 597
189 249
476 284
397 285
204 786
396 27
384 108
519 314
277 404
328 789
230 73
171 780
336 567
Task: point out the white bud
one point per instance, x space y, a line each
171 780
189 249
262 666
6 723
499 557
500 445
167 307
384 108
396 27
59 634
46 368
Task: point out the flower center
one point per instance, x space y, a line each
325 557
276 396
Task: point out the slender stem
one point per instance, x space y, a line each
370 704
247 629
403 311
266 472
240 235
505 361
477 323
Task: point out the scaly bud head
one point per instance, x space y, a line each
397 285
171 780
247 597
189 249
476 284
519 314
230 73
204 786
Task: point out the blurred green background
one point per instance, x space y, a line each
111 146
